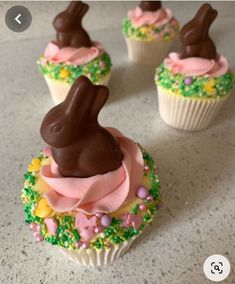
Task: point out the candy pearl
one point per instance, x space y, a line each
150 198
142 207
36 234
98 229
38 227
78 244
33 226
99 214
146 168
106 220
85 245
39 239
141 192
188 81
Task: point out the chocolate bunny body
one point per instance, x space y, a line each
80 146
68 25
150 6
195 40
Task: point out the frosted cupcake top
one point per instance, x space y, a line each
149 21
73 53
197 70
92 186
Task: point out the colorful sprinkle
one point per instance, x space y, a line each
77 232
106 220
43 209
142 192
188 81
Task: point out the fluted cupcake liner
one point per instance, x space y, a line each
148 52
59 90
98 257
190 114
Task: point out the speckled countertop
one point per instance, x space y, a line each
196 173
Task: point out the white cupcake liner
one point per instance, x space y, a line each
190 114
148 52
59 90
98 257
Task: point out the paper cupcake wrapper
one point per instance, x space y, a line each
188 113
59 90
148 52
98 257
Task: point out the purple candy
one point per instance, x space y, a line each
142 192
188 81
106 220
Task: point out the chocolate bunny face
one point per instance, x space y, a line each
68 25
80 146
194 35
150 5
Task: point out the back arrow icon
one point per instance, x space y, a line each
17 19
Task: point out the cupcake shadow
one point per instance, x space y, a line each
190 167
130 79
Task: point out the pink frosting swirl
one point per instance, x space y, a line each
157 18
100 193
196 66
71 55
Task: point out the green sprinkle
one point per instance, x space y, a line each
96 70
222 85
76 235
30 178
135 209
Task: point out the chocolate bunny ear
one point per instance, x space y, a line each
79 100
101 96
85 100
81 9
150 5
61 123
72 7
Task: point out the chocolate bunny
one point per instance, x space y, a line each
150 6
194 35
80 146
68 25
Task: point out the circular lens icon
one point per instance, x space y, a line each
216 268
18 19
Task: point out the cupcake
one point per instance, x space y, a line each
149 31
195 83
92 191
73 54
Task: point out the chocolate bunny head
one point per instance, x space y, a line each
68 25
150 6
80 146
194 35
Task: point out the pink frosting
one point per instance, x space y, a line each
100 193
196 66
71 55
158 18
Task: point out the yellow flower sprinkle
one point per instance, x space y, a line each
210 87
145 30
35 165
64 73
43 209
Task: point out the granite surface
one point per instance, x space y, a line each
196 173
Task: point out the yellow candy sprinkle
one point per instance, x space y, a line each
210 87
35 165
43 209
64 73
144 30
